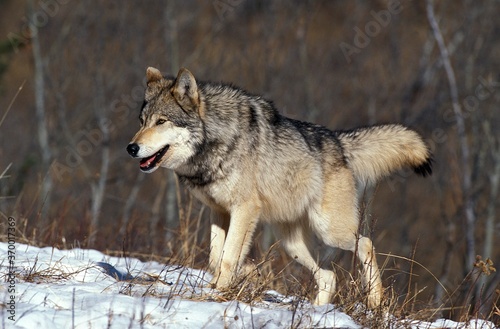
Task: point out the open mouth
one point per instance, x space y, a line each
151 162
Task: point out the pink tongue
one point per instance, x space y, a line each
147 161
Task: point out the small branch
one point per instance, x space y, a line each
12 102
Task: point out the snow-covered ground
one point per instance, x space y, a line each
51 288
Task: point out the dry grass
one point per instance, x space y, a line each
271 269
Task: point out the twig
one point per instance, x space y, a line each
12 102
2 175
419 264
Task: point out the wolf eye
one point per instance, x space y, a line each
160 121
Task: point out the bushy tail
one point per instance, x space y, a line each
376 151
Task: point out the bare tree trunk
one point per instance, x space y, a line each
312 110
127 209
155 218
171 33
171 39
466 175
470 216
427 71
98 188
494 176
490 219
489 235
43 134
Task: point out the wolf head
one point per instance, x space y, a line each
170 122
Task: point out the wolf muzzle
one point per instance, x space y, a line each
150 162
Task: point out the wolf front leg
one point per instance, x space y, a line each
219 225
242 225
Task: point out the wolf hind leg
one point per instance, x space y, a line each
366 254
371 274
296 240
335 220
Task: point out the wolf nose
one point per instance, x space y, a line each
133 149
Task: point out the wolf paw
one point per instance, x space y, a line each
220 281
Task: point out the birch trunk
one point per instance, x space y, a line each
98 188
41 118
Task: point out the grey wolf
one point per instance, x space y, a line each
247 162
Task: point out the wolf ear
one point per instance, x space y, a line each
185 89
153 75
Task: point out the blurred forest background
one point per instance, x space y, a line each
71 86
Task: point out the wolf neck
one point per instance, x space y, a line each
228 111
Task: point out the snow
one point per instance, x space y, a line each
81 288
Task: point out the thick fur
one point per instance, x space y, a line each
399 146
247 162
